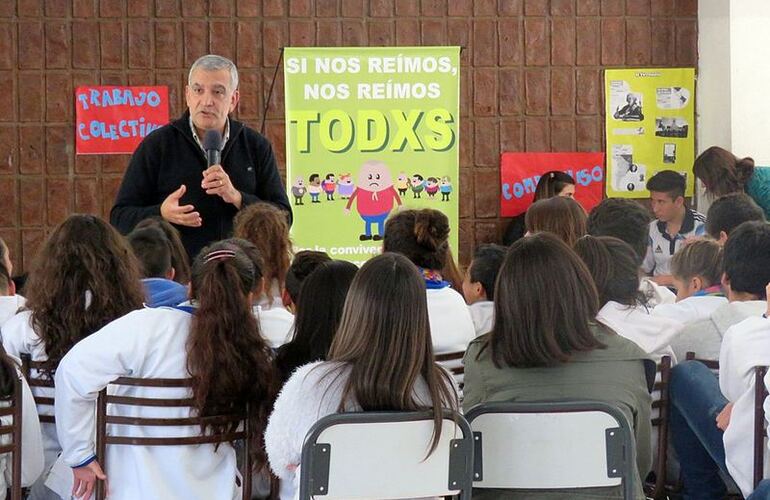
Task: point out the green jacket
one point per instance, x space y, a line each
615 374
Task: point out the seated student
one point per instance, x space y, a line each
179 259
712 419
730 211
723 173
479 285
274 323
746 261
696 270
674 224
318 314
532 354
613 265
84 277
267 227
550 184
32 460
423 237
560 215
153 251
10 302
216 343
629 221
381 359
304 263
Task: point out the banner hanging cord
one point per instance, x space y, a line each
270 92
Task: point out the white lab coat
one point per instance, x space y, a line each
656 294
451 326
148 343
9 305
691 309
20 338
483 316
652 333
744 346
705 337
275 324
312 392
32 461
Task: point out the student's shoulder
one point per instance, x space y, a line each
747 330
19 325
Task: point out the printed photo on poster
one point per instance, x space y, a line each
669 153
627 175
627 105
672 97
670 126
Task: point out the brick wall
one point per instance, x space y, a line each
531 80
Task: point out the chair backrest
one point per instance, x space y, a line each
13 445
385 455
552 445
760 431
243 432
711 364
663 378
38 379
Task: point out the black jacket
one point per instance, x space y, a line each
170 157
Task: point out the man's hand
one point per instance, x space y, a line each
184 215
216 181
723 419
85 479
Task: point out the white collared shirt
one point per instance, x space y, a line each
198 140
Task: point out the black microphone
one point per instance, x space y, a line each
212 144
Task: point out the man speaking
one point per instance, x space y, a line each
199 170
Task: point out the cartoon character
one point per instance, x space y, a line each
431 187
418 184
315 188
446 187
402 183
328 186
298 190
375 194
345 186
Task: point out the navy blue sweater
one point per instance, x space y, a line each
170 157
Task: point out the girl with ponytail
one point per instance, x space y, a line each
216 342
422 236
721 173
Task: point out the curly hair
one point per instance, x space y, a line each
84 277
420 235
227 357
268 228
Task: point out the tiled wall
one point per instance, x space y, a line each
531 80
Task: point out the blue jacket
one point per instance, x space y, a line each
161 292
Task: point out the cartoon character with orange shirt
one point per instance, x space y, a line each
375 194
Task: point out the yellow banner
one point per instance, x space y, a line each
650 126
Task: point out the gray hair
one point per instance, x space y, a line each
212 62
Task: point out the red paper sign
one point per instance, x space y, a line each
519 173
114 120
